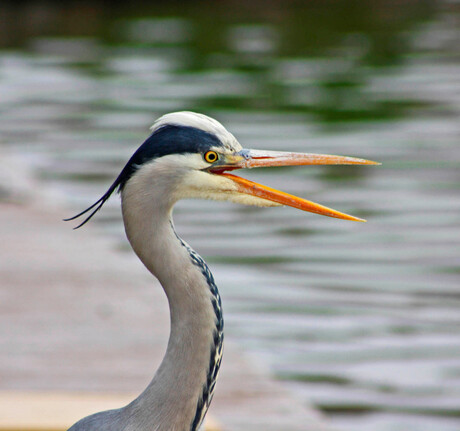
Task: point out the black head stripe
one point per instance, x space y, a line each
168 139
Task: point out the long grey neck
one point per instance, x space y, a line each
180 393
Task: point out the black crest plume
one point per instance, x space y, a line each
168 139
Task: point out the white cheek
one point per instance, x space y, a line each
183 161
180 176
196 161
202 185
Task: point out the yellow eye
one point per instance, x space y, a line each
211 156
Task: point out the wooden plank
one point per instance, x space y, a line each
57 411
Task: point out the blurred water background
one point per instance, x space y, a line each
363 320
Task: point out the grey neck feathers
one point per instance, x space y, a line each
180 393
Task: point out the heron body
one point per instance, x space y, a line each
187 156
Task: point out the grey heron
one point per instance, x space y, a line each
187 155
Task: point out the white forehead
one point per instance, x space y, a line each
199 121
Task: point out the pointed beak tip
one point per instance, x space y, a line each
356 161
344 216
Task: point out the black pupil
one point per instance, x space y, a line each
211 157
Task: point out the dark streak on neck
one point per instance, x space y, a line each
215 357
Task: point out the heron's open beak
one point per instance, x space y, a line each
257 158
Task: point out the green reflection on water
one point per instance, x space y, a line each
346 42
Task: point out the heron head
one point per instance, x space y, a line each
189 155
